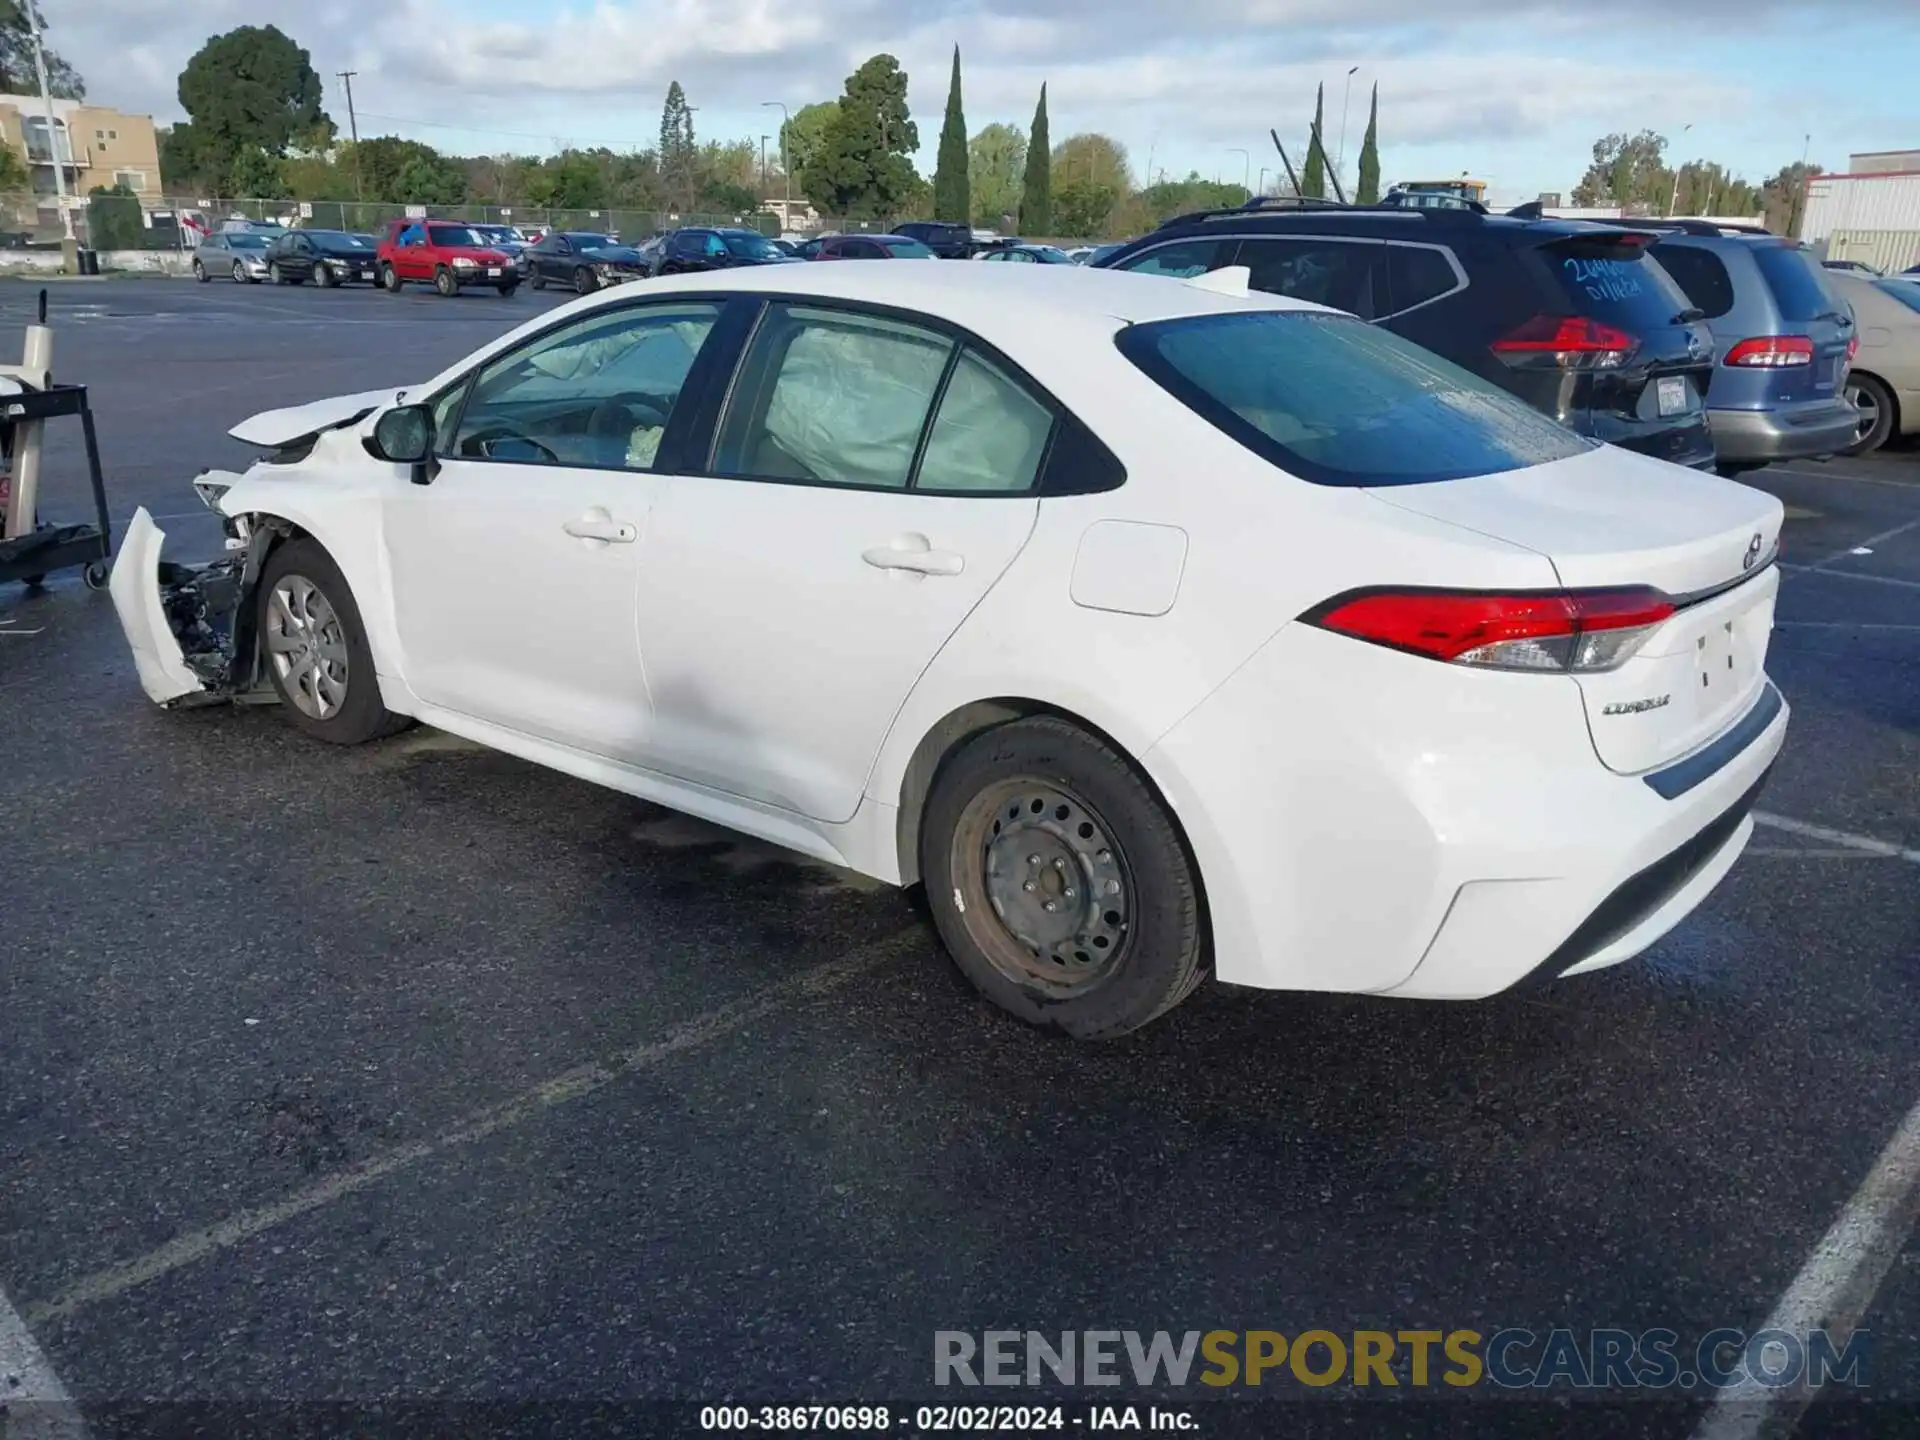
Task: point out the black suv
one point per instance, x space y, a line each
1576 319
947 239
695 248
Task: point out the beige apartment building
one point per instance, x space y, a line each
94 145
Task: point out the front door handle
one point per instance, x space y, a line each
598 525
916 555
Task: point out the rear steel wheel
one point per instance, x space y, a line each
1874 403
1059 885
306 647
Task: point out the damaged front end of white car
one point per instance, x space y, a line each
192 628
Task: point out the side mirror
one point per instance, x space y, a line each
404 435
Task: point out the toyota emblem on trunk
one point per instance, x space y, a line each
1753 552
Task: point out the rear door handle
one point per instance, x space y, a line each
916 555
598 525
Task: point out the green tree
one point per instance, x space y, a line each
1098 159
251 89
802 135
578 182
1627 170
1784 197
1368 190
996 164
13 170
380 160
1313 180
678 157
113 218
952 195
1082 208
861 169
184 163
1036 196
17 73
430 182
256 175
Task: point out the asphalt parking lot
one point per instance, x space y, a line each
413 1074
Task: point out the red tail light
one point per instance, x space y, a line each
1554 631
1771 352
1566 342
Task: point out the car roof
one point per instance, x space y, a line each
988 299
1395 221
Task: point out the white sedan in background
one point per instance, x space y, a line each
1158 627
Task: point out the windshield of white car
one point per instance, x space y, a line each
1905 291
1336 401
239 240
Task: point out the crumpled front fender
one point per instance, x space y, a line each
190 627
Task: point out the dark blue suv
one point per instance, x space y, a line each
1782 343
1574 318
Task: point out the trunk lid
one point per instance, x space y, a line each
1613 518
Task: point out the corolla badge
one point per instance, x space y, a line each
1753 551
1637 707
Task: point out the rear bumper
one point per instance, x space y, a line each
1363 822
1683 441
1785 432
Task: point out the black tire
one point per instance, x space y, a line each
276 274
390 279
360 716
240 274
506 291
444 282
96 575
584 282
1872 389
324 277
200 272
539 281
1103 848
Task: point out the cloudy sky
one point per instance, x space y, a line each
1514 91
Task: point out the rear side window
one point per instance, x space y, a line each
1614 283
1416 274
1702 275
1795 282
1339 402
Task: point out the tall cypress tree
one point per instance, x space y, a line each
1369 190
1313 181
952 193
1036 201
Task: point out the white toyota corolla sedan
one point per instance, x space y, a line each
1158 627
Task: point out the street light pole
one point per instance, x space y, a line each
1263 179
353 125
786 162
1674 199
53 131
1339 164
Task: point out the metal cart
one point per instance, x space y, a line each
37 547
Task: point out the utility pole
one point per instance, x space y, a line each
53 130
1674 198
786 162
763 165
353 126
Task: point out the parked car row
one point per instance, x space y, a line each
1703 346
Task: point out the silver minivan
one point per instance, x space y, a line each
1783 341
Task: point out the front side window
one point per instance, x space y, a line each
833 397
1182 258
1336 401
598 392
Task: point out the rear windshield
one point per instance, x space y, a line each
1905 291
1795 282
906 249
1339 402
1616 285
1701 275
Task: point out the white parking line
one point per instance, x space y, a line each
1834 1288
570 1085
1862 844
1866 544
33 1402
1841 475
1851 575
1808 624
